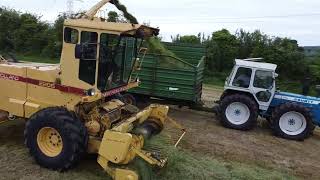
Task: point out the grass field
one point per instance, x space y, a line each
190 165
184 162
15 163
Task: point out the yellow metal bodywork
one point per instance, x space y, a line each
27 88
125 146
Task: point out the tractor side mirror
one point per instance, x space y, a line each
78 51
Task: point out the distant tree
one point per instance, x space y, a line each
113 16
190 39
222 49
315 68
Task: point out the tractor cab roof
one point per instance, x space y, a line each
116 28
251 63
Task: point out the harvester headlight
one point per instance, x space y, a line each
91 92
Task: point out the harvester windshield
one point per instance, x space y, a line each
117 57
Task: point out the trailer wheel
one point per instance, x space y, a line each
56 138
292 121
238 112
129 99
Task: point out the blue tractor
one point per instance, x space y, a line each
250 91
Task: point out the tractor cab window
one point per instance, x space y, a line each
242 78
87 69
117 56
263 79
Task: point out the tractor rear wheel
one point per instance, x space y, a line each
292 121
56 138
238 111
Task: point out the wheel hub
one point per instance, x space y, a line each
237 113
291 122
49 141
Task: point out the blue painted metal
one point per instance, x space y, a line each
312 103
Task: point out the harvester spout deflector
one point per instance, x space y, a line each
93 11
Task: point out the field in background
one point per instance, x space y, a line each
39 59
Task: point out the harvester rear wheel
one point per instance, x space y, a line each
56 138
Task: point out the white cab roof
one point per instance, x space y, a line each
260 65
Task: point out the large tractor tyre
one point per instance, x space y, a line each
238 112
56 138
129 99
292 121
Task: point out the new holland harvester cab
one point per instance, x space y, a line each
73 107
250 91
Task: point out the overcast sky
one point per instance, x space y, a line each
298 19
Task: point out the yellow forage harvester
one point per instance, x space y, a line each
74 107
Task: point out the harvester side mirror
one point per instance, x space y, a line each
78 51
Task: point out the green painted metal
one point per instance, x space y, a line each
182 83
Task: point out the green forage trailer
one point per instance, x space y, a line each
177 79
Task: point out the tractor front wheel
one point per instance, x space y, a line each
292 121
56 138
238 111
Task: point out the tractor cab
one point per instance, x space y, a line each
250 91
99 56
255 78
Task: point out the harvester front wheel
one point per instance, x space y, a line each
56 138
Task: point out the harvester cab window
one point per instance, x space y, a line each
71 35
87 69
108 49
117 54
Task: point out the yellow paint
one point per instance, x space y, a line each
120 143
125 174
39 91
49 141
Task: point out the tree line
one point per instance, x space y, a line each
223 47
25 33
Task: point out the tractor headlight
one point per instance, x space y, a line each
91 92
